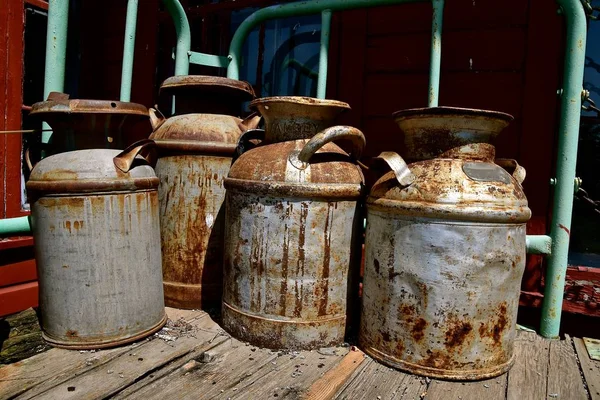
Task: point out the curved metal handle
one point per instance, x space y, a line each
244 144
250 122
156 118
143 148
512 166
404 175
28 160
334 133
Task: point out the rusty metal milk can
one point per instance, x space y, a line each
80 124
97 247
291 213
196 150
445 249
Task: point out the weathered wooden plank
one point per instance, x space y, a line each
51 368
590 369
527 380
20 337
564 378
489 389
226 371
377 381
328 385
113 376
293 374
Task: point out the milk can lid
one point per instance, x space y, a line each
97 170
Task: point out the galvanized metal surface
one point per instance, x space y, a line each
191 196
444 258
92 124
196 152
296 117
98 254
440 298
290 233
287 266
207 94
428 132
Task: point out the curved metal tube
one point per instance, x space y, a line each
576 32
184 37
128 50
318 6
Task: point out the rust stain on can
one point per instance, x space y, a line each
444 256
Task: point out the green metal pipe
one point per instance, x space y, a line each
539 244
128 50
323 54
289 10
184 37
54 81
436 52
56 53
565 167
15 226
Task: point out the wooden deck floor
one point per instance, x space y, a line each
203 362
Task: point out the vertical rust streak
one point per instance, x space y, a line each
324 284
284 270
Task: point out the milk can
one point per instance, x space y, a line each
79 124
445 249
97 247
290 238
195 153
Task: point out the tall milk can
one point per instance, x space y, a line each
291 216
195 152
445 249
97 247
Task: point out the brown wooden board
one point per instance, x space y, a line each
527 380
46 370
590 369
121 371
489 389
377 381
564 377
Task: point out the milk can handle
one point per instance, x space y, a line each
404 175
334 133
143 148
518 172
156 118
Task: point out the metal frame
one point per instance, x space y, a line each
555 246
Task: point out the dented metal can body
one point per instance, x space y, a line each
291 249
195 153
288 262
444 259
97 249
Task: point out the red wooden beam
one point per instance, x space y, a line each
38 3
17 273
17 298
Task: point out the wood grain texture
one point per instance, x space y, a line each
327 386
527 380
113 376
489 389
377 381
590 369
564 378
46 370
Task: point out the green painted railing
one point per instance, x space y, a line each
555 246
